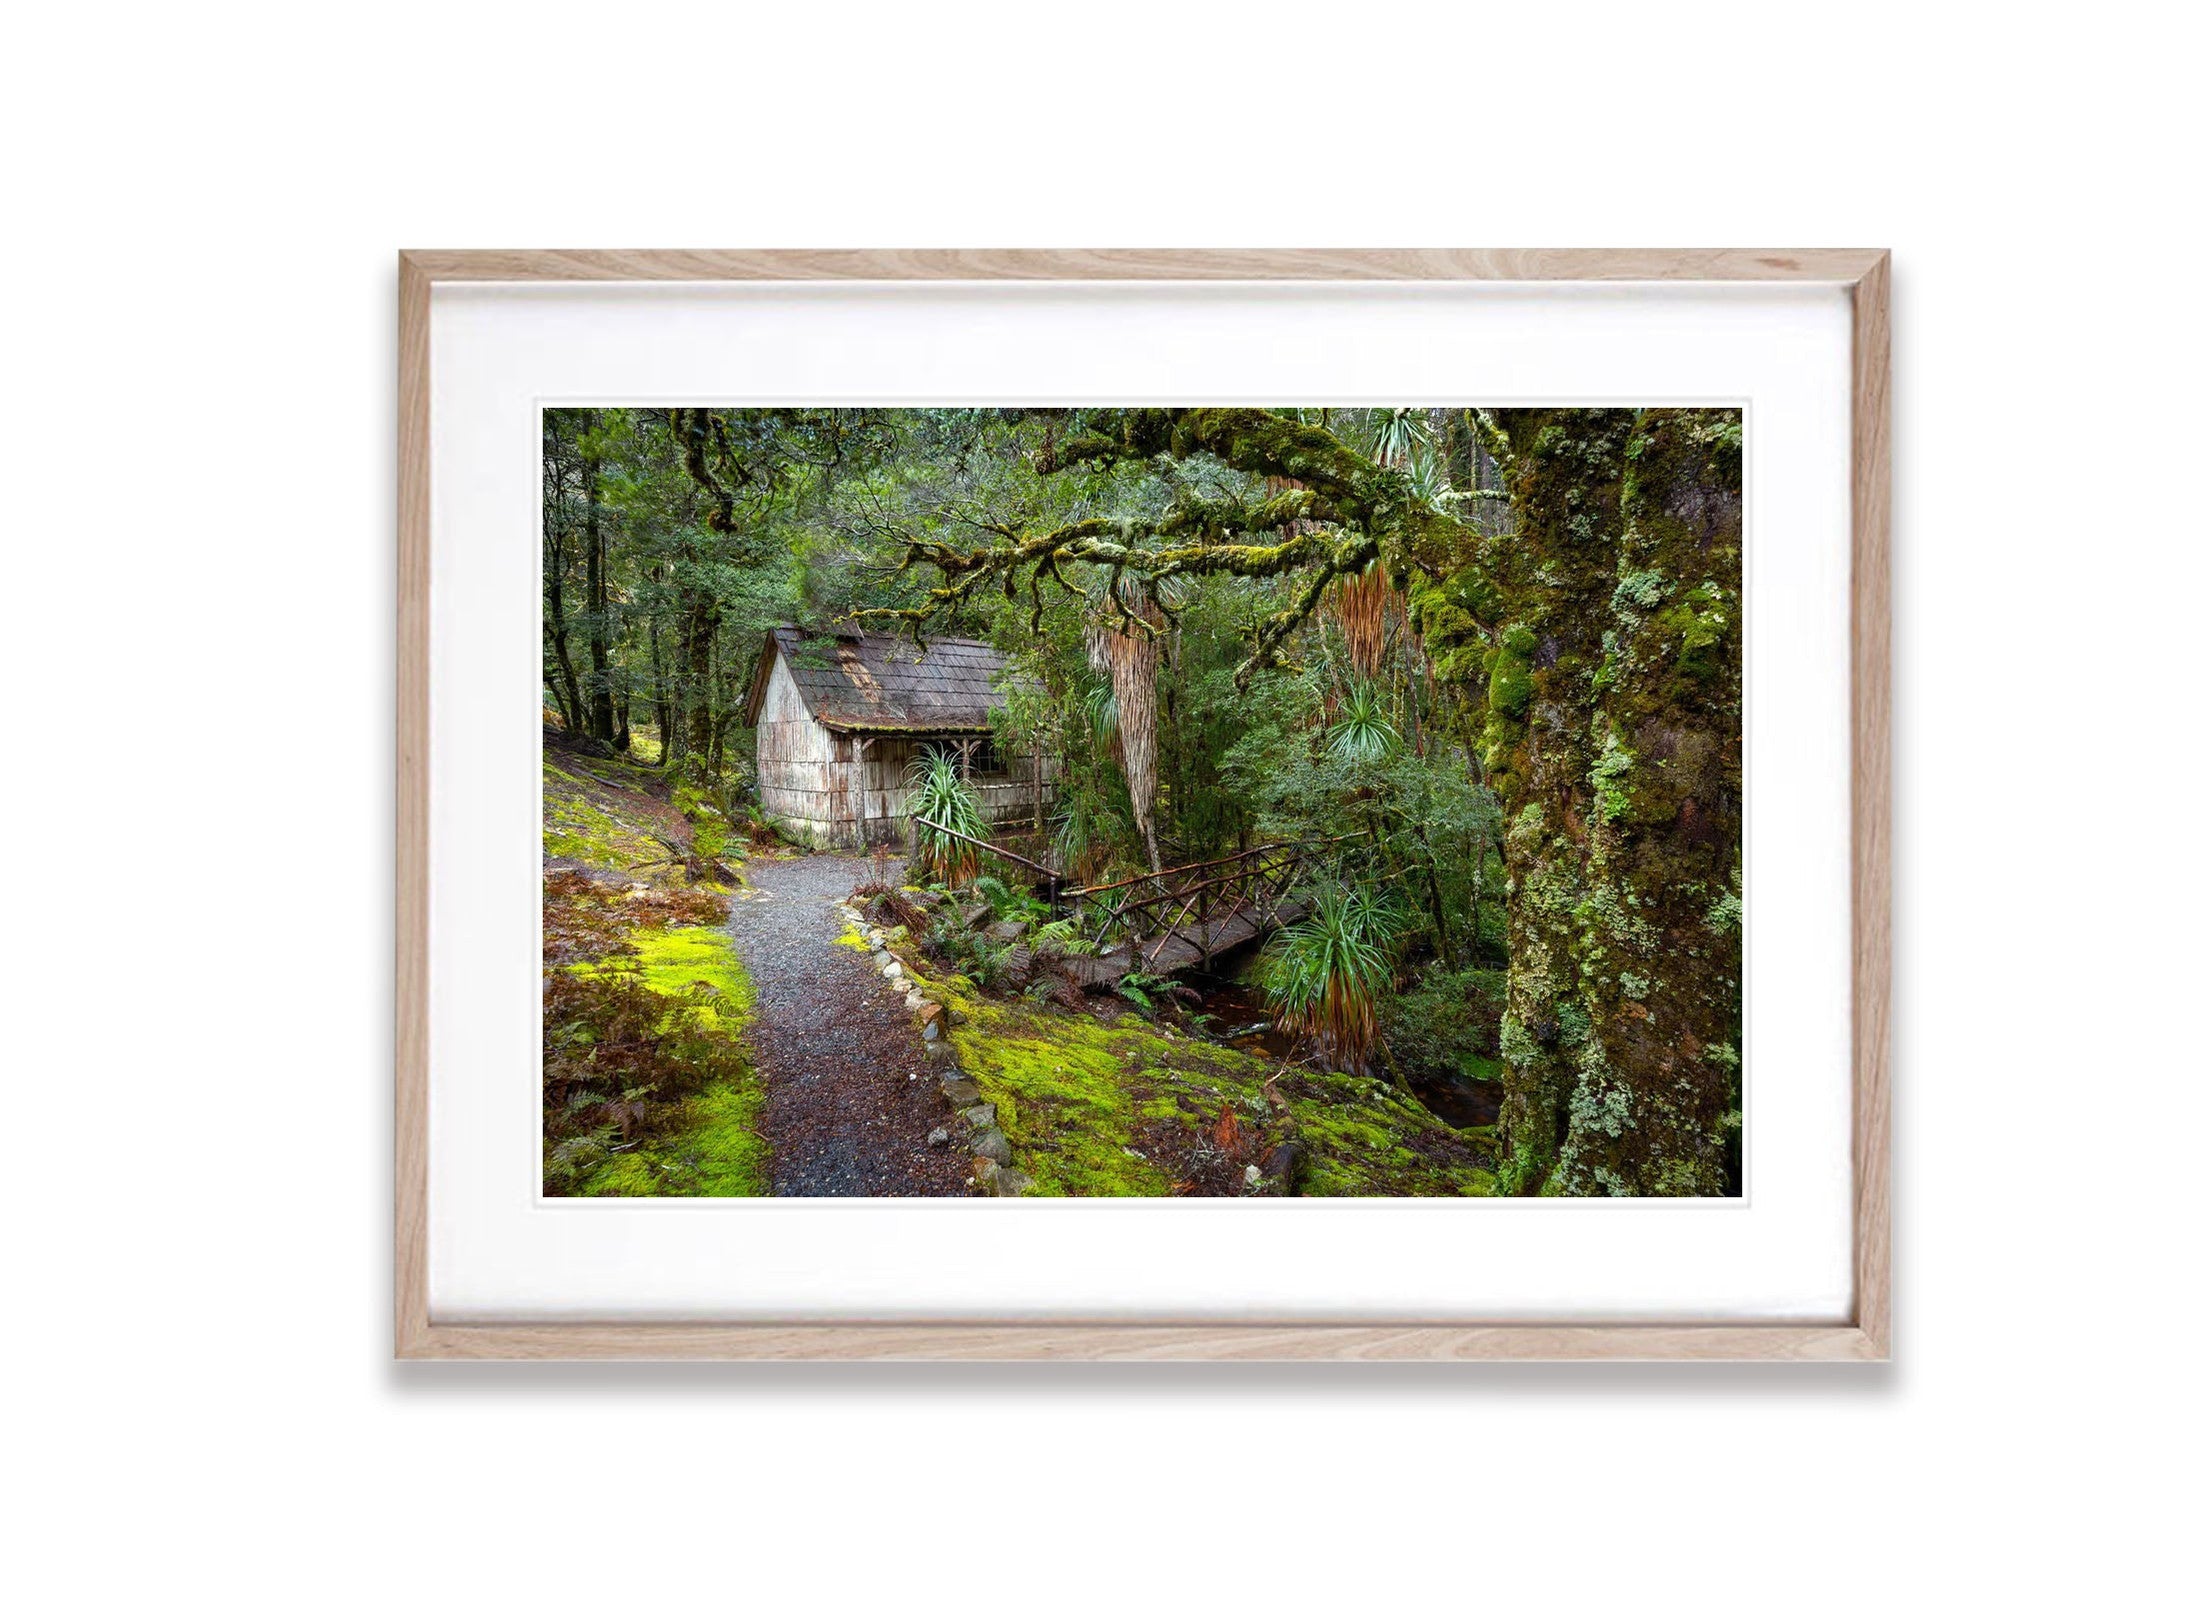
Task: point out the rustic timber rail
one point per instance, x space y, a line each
1049 881
1186 915
1161 922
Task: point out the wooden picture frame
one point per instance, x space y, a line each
1862 1336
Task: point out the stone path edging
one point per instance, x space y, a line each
991 1171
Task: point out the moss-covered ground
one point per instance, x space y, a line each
711 1145
607 814
1129 1107
648 1087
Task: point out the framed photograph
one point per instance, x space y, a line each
1142 804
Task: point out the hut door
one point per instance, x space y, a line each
858 789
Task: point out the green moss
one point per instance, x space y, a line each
718 1152
712 1144
1068 1099
722 1149
1511 683
630 1175
583 820
853 940
1371 1139
1104 1109
673 959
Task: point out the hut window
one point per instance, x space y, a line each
985 760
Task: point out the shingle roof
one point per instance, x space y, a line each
885 684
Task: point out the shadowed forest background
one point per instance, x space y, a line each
1423 724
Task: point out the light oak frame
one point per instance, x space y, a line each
1864 1336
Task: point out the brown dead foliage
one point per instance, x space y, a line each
585 916
615 1054
896 909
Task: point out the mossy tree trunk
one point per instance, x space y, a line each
1612 737
698 632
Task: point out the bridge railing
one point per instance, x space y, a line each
1194 899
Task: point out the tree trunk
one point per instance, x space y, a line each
1133 665
699 633
601 717
566 685
1612 737
663 697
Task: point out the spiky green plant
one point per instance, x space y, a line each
1424 481
1362 730
1394 433
939 794
1102 717
1324 974
1092 827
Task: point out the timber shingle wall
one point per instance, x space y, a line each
817 699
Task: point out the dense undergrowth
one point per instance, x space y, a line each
648 1089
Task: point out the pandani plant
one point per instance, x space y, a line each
939 794
1325 974
1361 729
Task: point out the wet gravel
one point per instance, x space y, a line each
843 1113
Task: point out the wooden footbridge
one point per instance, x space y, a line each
1181 916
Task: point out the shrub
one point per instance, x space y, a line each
1446 1025
1325 975
939 795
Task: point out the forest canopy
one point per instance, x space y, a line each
1479 668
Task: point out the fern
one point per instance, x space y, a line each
1064 938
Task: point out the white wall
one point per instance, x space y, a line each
794 753
199 415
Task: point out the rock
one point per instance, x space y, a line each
991 1145
1008 1183
983 1171
881 960
1252 1176
892 969
901 985
913 999
957 1018
931 1032
929 1011
979 1115
936 1050
937 1136
960 1092
979 915
1285 1168
1009 932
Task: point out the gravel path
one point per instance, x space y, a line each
842 1110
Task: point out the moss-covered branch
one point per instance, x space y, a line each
1341 513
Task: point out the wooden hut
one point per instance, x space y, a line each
840 720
